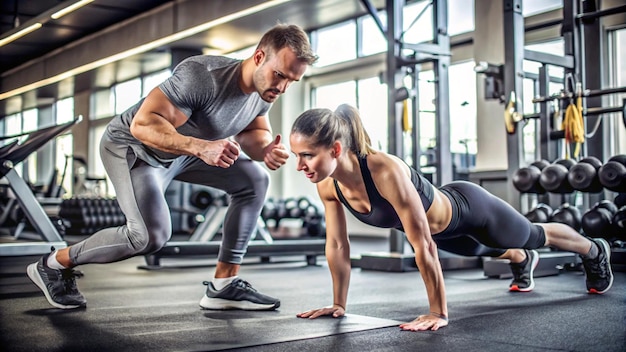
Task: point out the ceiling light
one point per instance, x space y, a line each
23 32
142 48
69 9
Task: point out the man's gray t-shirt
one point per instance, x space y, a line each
206 89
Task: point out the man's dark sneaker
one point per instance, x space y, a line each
598 271
523 280
239 294
59 286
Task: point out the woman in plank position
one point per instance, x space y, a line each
334 152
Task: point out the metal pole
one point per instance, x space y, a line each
513 76
442 95
394 76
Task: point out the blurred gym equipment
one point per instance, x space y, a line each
12 154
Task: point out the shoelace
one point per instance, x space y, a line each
239 283
245 285
596 268
69 280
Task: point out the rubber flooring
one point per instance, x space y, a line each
131 309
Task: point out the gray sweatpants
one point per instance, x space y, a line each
140 190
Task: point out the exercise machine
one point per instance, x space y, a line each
12 154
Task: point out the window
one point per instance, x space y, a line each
13 124
153 80
127 94
418 22
372 104
462 97
13 127
533 7
64 151
102 103
460 20
30 120
336 44
427 123
460 16
332 95
243 53
95 162
530 129
555 47
618 79
65 110
372 40
368 95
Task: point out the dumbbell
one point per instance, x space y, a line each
598 221
201 199
612 174
568 215
526 179
584 175
269 210
292 209
620 200
554 177
540 214
619 223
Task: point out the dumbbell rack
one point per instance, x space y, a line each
565 176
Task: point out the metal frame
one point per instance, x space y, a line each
513 82
438 53
15 153
583 58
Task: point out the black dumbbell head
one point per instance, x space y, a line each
619 220
608 205
568 163
554 179
620 200
584 177
612 174
567 215
526 180
541 164
597 222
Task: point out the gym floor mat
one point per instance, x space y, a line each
138 310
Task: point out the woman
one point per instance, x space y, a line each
334 152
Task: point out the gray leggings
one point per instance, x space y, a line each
140 190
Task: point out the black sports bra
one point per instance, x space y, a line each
382 214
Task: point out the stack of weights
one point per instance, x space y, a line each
612 174
584 175
554 178
526 179
84 216
302 208
541 177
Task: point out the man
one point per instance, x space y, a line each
191 128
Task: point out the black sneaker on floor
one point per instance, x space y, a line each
523 280
598 271
239 294
59 286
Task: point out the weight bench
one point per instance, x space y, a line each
12 154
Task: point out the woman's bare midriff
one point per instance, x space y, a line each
440 213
